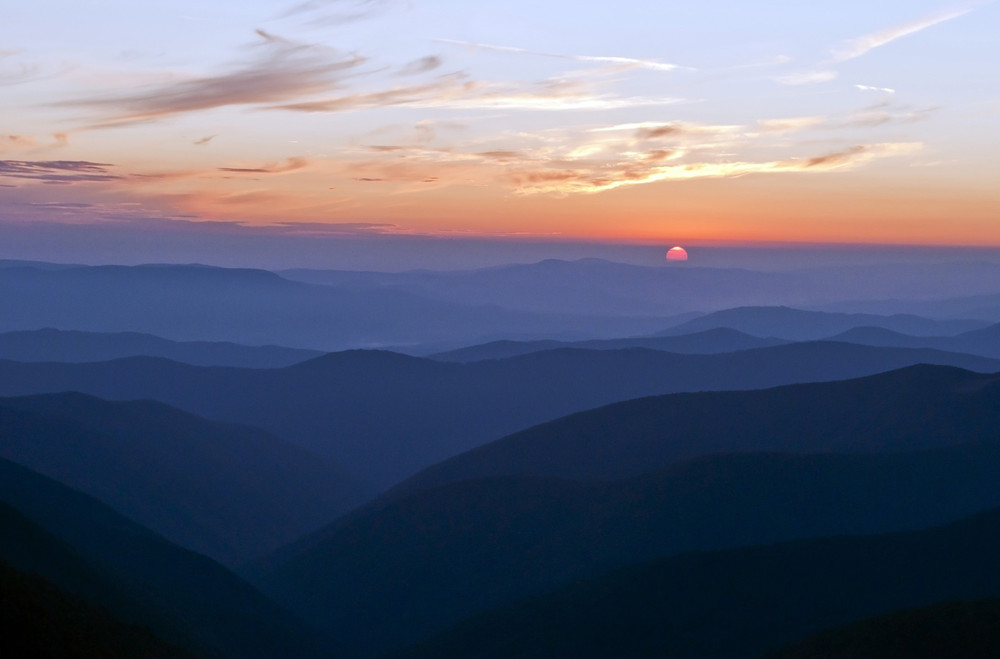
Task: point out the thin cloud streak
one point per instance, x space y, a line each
282 71
57 171
857 47
621 61
456 91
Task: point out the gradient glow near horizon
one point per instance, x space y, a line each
628 121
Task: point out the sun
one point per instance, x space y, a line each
677 254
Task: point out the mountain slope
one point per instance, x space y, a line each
385 416
738 603
84 547
228 491
914 407
950 629
38 619
398 570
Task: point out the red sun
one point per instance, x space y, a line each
677 254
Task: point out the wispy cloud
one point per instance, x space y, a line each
57 171
337 12
279 71
290 165
457 91
790 124
869 88
859 46
807 77
636 172
17 142
421 65
627 62
203 140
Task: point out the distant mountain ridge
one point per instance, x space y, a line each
258 307
984 342
52 345
708 342
801 325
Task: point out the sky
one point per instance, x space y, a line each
127 122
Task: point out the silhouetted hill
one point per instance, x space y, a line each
738 603
231 492
51 345
256 307
86 548
915 407
713 341
37 619
800 325
400 569
984 342
385 416
970 630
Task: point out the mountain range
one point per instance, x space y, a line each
383 416
620 485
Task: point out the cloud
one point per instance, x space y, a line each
457 91
857 47
290 165
204 140
15 142
807 77
650 170
338 12
868 88
57 171
627 62
281 70
422 65
791 124
645 130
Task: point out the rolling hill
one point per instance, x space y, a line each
228 491
802 325
392 573
709 342
385 416
915 407
738 603
51 345
85 548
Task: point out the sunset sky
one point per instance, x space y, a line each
673 122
